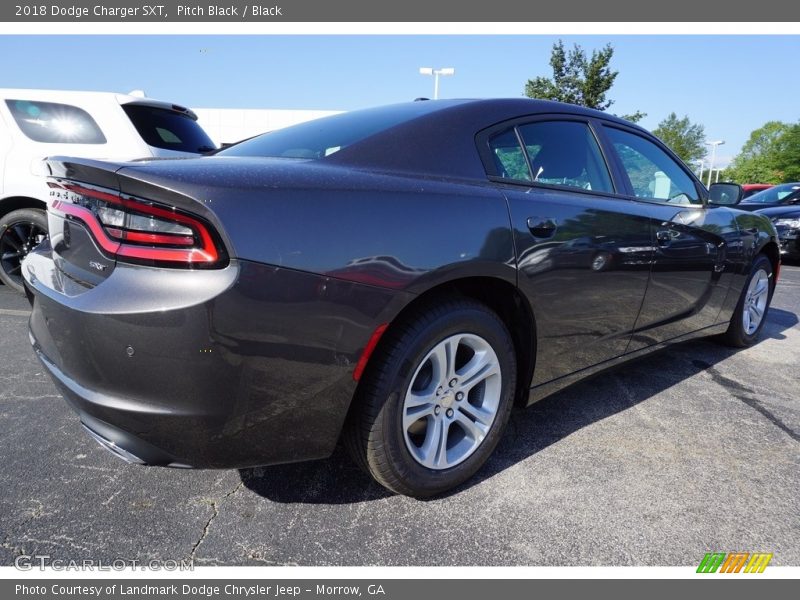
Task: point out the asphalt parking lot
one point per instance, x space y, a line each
691 450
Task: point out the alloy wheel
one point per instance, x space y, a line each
16 241
452 401
755 301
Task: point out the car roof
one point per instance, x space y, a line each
496 110
439 138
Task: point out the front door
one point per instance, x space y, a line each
692 259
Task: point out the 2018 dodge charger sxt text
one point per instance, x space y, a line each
399 276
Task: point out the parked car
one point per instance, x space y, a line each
778 195
787 223
39 123
394 276
750 189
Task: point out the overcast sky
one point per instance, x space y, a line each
730 84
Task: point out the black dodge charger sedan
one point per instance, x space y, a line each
396 277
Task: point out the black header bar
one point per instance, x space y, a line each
423 11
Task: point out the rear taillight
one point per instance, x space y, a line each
136 230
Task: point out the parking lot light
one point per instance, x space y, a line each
713 157
436 73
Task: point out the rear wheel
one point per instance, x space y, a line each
435 400
751 312
20 232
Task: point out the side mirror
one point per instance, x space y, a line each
725 194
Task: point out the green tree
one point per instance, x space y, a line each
787 160
764 157
578 79
686 139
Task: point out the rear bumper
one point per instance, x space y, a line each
243 366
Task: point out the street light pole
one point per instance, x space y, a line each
713 157
436 73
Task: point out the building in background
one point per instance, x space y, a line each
228 125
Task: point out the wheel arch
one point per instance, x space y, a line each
505 300
12 203
773 253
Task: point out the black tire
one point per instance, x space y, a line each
20 232
736 336
374 434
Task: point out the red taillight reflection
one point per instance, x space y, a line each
148 245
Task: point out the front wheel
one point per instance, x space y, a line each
20 232
435 400
751 312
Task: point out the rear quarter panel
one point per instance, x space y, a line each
406 233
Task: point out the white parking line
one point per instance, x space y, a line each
15 313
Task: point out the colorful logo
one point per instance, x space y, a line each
734 562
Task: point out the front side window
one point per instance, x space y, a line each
653 174
53 123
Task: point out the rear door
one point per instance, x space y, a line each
697 247
583 252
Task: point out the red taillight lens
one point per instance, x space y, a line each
137 230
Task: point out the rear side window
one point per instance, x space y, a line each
653 174
508 157
53 123
562 153
565 153
168 129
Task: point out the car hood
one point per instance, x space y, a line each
780 211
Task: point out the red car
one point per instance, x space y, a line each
753 188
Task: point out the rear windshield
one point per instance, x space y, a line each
326 136
54 123
168 129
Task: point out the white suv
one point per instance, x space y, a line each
35 124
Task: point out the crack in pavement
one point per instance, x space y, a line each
747 396
215 506
35 513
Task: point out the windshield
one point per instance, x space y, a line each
776 195
323 137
